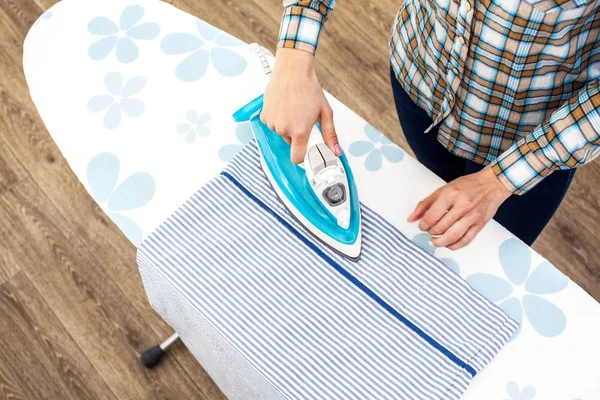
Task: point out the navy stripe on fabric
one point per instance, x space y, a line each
354 280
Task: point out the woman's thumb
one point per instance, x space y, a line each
329 136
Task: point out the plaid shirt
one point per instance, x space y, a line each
514 84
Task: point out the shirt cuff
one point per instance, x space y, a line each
523 165
300 29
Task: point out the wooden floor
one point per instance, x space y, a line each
73 314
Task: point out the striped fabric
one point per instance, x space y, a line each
514 83
398 324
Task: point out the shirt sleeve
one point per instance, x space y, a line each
302 22
568 139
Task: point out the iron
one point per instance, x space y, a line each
321 192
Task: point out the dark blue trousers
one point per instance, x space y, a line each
525 215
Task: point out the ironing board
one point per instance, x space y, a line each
138 95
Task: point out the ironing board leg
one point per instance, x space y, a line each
151 357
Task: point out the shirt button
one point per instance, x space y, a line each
459 44
466 12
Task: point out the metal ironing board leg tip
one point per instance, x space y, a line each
154 355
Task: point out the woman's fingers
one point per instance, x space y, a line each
327 127
468 237
299 143
423 206
455 233
461 208
435 212
449 219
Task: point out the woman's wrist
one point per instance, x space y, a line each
295 62
495 182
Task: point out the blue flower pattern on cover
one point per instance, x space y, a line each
195 126
134 192
119 98
514 393
376 148
121 36
423 240
243 133
44 17
211 44
515 257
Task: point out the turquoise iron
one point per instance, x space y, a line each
321 193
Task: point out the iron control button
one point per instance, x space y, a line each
315 159
335 194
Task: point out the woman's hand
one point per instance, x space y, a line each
294 101
455 213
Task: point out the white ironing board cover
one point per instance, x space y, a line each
138 95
